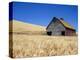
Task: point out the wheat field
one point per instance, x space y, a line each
38 45
32 45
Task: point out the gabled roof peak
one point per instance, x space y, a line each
61 19
65 24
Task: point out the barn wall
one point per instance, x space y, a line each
56 28
70 32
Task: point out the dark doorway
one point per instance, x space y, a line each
63 33
49 33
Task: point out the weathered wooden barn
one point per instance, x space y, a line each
58 27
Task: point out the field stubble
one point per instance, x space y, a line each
43 45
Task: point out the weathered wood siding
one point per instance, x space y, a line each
56 28
70 32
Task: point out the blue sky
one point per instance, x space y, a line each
42 14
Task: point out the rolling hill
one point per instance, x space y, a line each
19 26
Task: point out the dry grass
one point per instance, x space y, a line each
19 26
30 44
37 45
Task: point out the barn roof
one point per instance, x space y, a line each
65 24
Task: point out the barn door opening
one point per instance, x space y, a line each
49 33
63 33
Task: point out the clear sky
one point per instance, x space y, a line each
42 14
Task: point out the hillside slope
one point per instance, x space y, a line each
19 26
